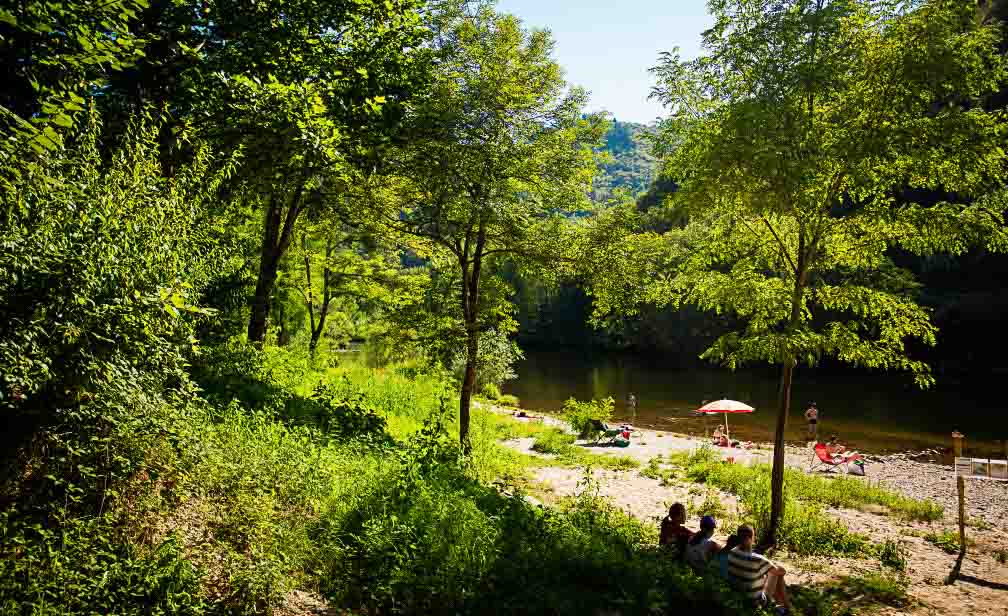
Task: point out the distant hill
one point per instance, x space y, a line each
632 167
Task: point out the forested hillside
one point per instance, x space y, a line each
630 165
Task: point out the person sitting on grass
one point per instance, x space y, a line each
722 556
755 575
701 548
673 533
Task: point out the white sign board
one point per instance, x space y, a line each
982 468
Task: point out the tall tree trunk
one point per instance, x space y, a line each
470 312
777 474
268 262
317 329
278 230
468 385
784 402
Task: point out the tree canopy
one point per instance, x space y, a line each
498 151
801 143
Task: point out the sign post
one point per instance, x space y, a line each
973 468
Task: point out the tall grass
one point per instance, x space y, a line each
804 528
560 444
841 491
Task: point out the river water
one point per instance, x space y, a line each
878 413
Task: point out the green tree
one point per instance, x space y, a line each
306 90
496 151
800 143
54 54
335 264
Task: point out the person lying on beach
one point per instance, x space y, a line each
701 548
673 533
523 415
755 575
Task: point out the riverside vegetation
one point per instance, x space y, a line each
202 203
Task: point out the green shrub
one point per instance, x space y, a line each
508 400
84 566
582 415
892 554
947 540
490 391
554 442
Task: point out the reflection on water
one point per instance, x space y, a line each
874 412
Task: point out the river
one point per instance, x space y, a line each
877 413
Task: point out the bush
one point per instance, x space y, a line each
509 400
947 540
84 566
581 415
892 554
490 391
553 442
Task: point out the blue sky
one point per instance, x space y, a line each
608 46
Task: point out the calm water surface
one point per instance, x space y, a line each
874 413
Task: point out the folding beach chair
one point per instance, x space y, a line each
822 458
608 434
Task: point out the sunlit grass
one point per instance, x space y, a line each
847 492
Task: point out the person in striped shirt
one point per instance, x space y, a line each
756 575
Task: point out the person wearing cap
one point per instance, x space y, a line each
701 548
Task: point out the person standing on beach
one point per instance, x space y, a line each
812 417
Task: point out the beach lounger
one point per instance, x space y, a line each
608 434
822 458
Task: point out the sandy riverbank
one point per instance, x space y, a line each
986 500
983 590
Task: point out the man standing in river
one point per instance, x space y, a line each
631 401
812 417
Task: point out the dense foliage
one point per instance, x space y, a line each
204 203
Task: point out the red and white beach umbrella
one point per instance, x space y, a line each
725 407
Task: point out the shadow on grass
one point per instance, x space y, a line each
444 544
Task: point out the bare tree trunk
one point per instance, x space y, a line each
267 275
784 404
468 385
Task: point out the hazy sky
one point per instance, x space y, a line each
608 46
